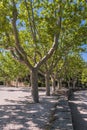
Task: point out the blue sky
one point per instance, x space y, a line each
84 55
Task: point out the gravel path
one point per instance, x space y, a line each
78 105
17 112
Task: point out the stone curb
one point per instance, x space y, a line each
60 118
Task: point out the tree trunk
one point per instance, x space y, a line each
53 84
68 84
60 83
47 77
74 84
34 85
16 82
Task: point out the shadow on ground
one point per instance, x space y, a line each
25 115
78 105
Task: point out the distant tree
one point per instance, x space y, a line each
10 69
84 75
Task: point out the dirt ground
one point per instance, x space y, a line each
17 112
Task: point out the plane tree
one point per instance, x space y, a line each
11 70
84 75
31 30
73 69
21 33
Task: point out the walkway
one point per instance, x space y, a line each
78 104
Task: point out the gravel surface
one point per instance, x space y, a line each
17 112
78 105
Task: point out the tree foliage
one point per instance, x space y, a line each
11 69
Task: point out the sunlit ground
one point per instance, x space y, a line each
17 112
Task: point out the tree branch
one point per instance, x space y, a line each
51 51
16 35
16 57
55 44
31 21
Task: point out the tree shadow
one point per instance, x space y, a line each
13 89
25 115
21 89
78 105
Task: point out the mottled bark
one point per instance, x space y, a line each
34 85
74 83
60 83
16 82
68 84
53 84
47 83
